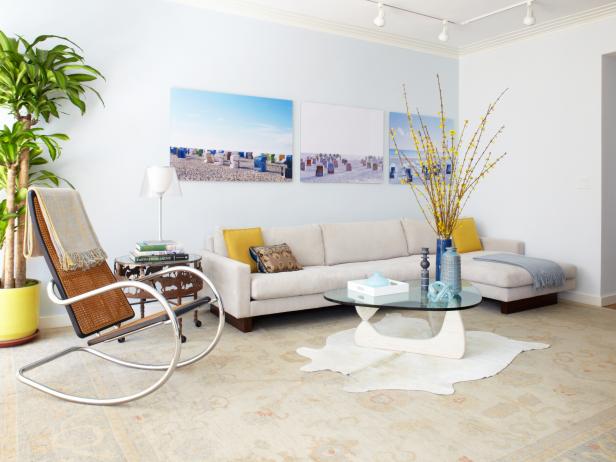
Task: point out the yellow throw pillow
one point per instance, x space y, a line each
465 236
239 242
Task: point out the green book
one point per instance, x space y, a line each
148 246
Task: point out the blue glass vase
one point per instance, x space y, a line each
451 271
441 246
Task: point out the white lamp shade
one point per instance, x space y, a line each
160 180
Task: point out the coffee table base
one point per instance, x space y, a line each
450 342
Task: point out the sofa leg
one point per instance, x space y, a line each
241 324
528 303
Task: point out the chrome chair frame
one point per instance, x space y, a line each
169 368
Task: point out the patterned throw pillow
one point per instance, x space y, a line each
274 258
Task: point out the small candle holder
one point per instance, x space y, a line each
425 273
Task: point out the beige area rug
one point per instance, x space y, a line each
249 402
370 369
591 440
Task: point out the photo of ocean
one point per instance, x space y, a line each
229 137
399 171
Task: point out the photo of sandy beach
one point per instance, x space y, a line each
228 137
335 168
401 172
341 144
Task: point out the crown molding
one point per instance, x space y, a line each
541 28
250 9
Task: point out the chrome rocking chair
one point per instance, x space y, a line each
98 307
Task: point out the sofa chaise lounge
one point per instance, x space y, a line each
334 253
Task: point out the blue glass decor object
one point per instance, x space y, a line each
377 280
451 273
439 292
441 246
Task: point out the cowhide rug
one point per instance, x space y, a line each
371 369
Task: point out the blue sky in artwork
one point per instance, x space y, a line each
398 121
210 120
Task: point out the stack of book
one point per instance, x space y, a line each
158 252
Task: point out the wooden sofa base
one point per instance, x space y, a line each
528 303
241 324
246 324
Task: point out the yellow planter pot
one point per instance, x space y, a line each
19 312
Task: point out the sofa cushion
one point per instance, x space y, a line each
239 242
310 280
501 275
306 242
274 258
363 241
465 236
318 279
399 269
418 234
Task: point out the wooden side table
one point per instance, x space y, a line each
174 286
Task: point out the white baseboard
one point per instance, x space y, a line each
580 297
53 321
608 300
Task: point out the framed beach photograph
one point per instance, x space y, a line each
341 144
229 137
400 172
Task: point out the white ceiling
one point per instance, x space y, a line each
354 17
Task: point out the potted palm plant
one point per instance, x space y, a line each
34 84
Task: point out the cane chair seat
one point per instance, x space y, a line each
147 321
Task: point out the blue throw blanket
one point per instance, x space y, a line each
545 273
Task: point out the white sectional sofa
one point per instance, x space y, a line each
334 253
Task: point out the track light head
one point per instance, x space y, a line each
529 19
444 36
379 21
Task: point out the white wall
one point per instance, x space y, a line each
145 47
608 168
548 191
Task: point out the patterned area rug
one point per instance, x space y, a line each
249 402
591 440
372 369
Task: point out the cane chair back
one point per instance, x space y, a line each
91 315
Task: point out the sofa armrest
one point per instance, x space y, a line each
232 280
503 245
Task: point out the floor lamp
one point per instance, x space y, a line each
157 182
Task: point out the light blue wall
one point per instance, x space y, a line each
146 47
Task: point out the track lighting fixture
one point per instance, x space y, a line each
444 36
529 19
379 21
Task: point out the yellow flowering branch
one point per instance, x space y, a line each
442 199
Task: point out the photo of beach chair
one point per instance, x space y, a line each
341 144
246 125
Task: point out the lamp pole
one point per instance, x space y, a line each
160 216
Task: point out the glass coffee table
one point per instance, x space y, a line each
449 342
